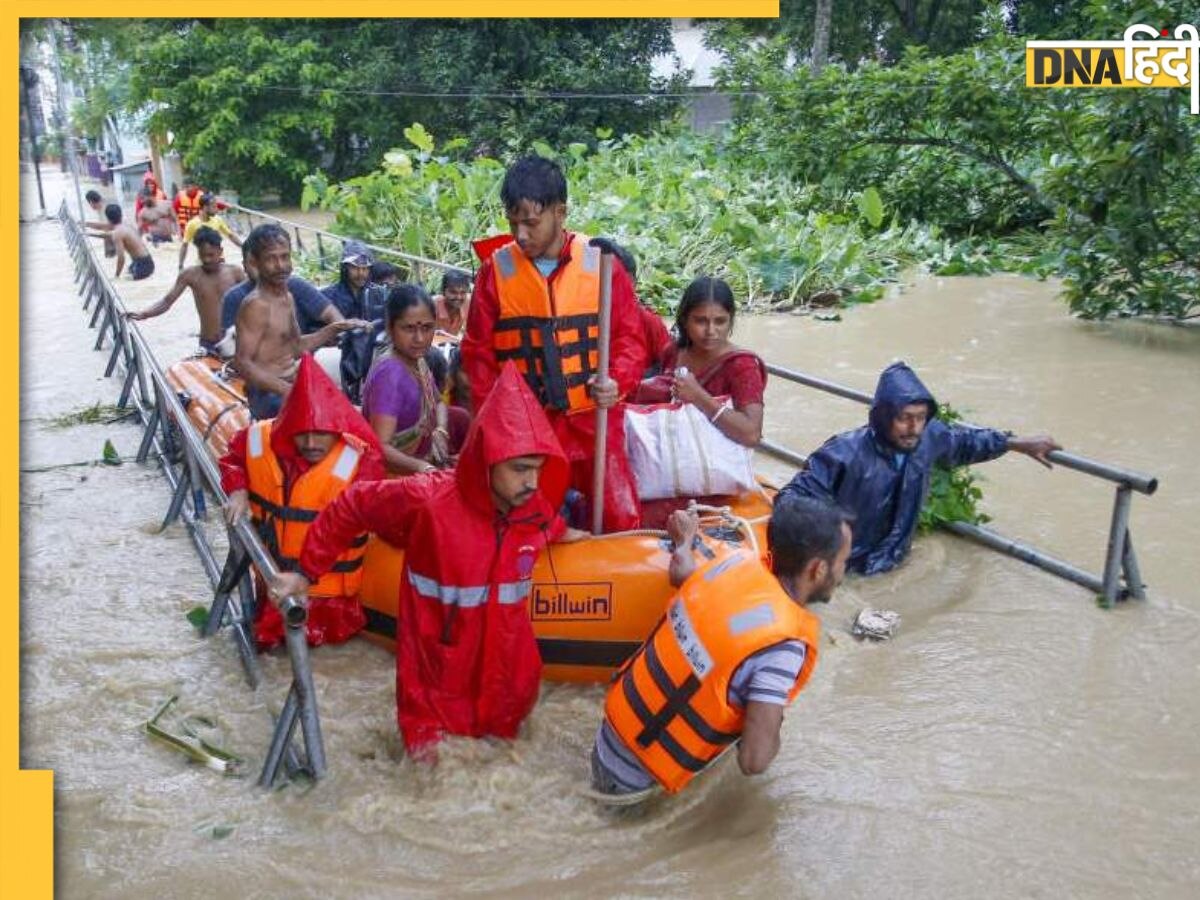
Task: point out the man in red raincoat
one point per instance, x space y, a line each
467 662
284 471
536 302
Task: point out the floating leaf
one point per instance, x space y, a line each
198 616
111 456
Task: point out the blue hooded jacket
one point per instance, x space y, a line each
864 474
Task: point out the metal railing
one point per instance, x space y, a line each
1120 558
190 470
326 246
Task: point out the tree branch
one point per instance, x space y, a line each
1019 181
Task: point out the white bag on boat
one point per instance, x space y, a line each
676 452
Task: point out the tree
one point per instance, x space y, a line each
258 104
820 47
1111 178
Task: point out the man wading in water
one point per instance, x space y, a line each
209 281
269 343
125 240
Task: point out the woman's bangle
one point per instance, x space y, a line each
442 431
720 412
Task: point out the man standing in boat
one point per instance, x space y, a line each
208 282
284 471
536 302
467 662
269 343
735 647
881 472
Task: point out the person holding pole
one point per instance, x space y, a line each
537 302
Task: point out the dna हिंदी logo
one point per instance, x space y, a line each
1145 58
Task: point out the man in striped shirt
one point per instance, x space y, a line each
810 542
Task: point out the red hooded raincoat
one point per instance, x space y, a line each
466 659
314 404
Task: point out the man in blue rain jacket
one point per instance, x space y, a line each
880 473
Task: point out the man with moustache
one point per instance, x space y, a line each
269 342
537 302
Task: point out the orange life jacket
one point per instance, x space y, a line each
670 702
551 331
189 207
291 515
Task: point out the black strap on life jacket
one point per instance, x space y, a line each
542 365
285 513
677 705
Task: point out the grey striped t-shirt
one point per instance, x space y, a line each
766 677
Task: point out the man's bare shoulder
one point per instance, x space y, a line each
255 309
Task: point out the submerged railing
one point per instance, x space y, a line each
1120 558
190 470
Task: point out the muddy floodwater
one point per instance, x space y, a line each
1013 740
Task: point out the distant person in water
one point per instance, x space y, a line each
155 219
880 473
206 217
96 202
208 282
126 241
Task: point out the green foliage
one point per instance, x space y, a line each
1105 182
954 494
943 138
256 105
869 29
683 204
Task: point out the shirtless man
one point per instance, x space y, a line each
209 281
269 343
96 202
156 219
126 240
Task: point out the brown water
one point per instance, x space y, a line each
1013 740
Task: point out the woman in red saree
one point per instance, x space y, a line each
705 368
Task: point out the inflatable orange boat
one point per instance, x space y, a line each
593 602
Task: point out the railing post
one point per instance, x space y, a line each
301 704
1116 545
1133 575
